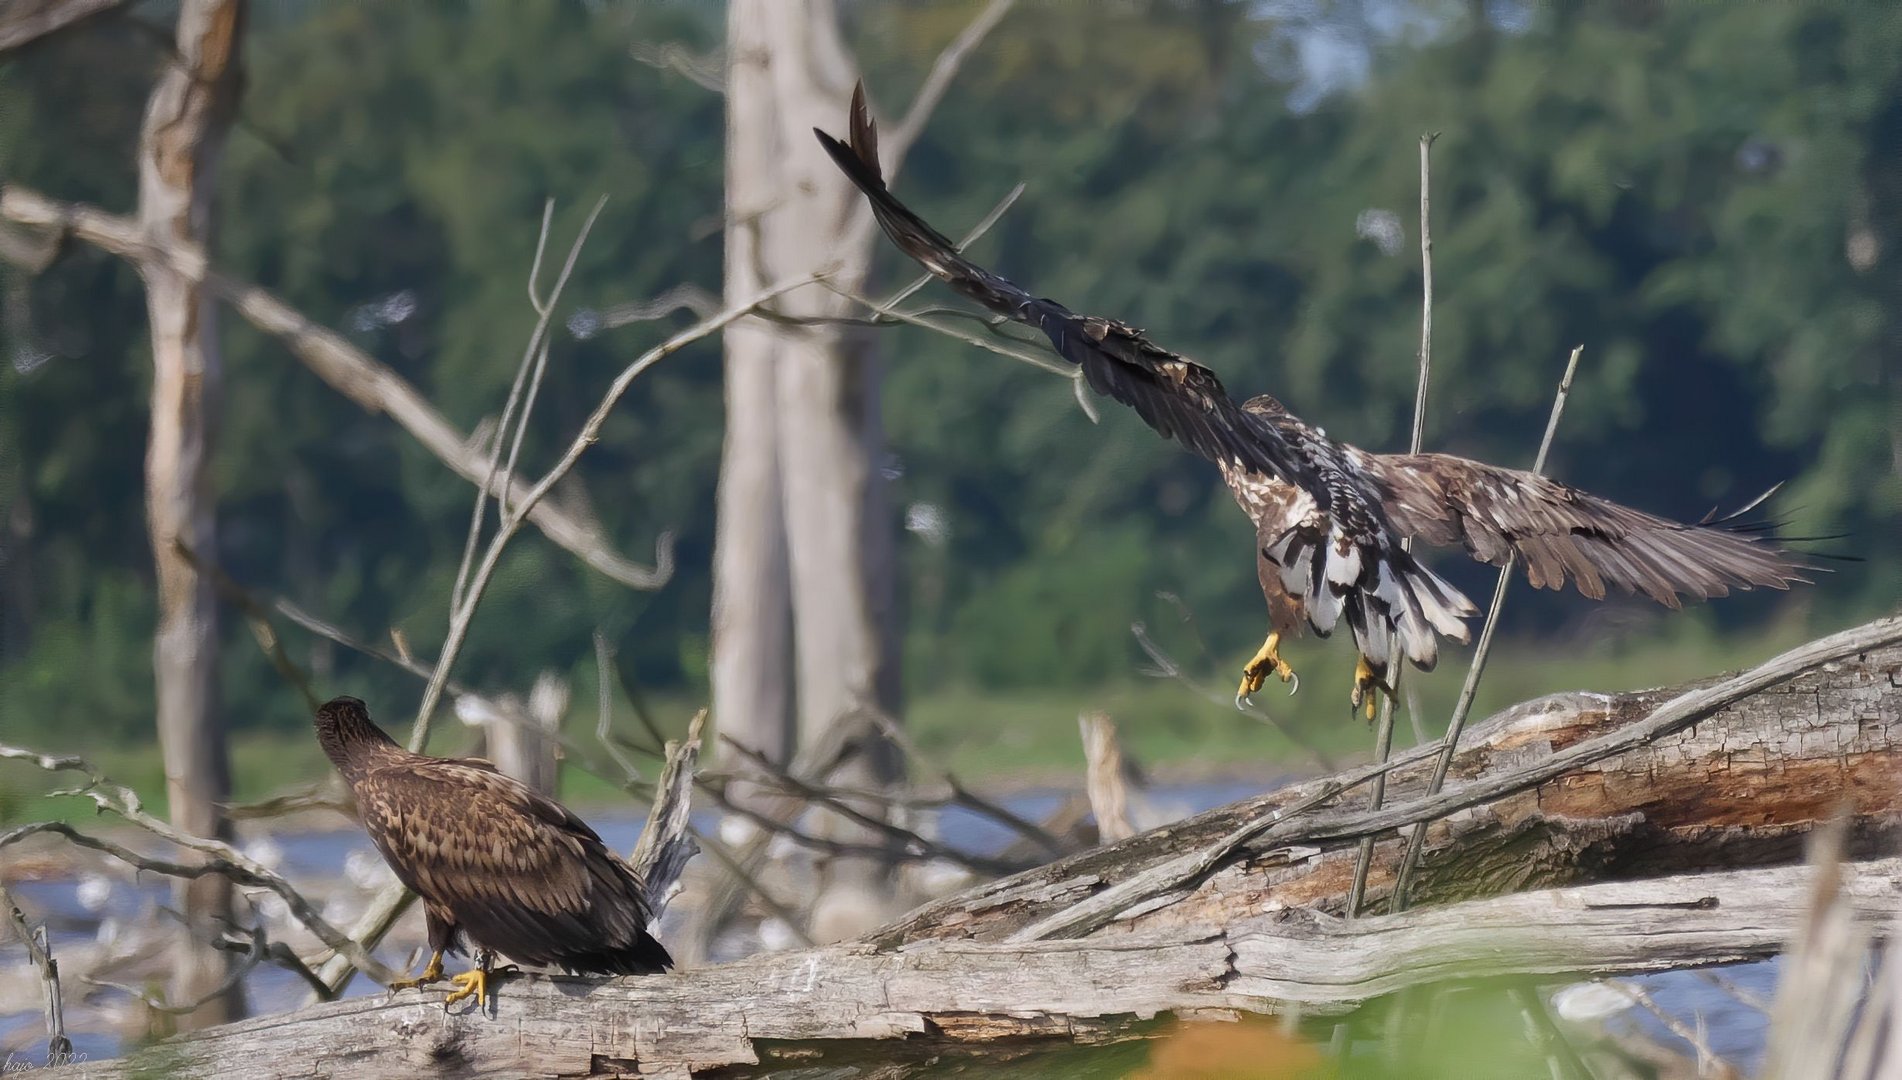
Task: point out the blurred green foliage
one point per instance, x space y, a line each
1709 197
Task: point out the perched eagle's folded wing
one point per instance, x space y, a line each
520 872
1560 531
1177 397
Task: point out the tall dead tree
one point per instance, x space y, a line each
179 147
806 540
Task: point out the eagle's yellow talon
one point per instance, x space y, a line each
472 983
1267 659
431 973
1367 688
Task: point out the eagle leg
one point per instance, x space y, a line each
1255 673
472 983
1368 686
431 973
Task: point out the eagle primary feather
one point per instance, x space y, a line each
1329 517
493 861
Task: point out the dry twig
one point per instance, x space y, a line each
1463 707
39 949
342 365
1383 738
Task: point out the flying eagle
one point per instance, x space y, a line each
497 865
1330 518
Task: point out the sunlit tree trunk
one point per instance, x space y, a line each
185 125
788 71
751 652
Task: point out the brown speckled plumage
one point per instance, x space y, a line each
1330 518
494 862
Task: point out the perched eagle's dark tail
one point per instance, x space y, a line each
914 237
646 956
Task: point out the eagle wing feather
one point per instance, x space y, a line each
1561 532
1351 562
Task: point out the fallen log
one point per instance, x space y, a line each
992 999
1239 909
1727 772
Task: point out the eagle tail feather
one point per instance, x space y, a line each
645 956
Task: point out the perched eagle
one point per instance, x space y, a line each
497 865
1330 518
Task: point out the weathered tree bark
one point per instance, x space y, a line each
993 1001
1737 786
183 137
1725 775
751 651
809 400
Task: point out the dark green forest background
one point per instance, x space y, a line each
1707 196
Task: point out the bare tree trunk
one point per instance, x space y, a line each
751 651
179 147
789 72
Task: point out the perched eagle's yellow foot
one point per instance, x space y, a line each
1255 674
472 983
1367 688
431 973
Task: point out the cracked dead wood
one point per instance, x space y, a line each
1564 814
1573 787
992 1001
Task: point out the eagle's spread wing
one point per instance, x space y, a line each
1560 532
1347 560
517 872
1178 397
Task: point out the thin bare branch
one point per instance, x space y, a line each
959 794
23 22
538 343
604 705
1463 707
983 226
222 859
535 360
914 319
390 904
807 793
324 796
938 81
283 956
590 432
347 369
254 950
1383 737
258 620
1709 1063
707 72
687 297
737 870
